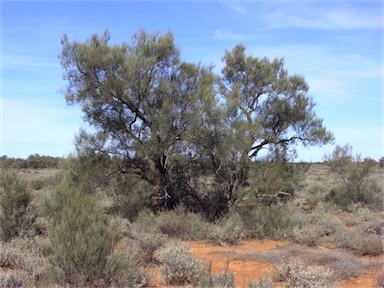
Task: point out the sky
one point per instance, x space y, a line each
337 46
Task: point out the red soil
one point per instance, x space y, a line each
247 269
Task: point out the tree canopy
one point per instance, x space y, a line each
170 121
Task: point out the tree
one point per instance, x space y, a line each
171 122
266 108
145 104
355 173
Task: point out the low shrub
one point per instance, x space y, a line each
149 244
223 279
373 227
379 281
298 275
179 266
181 224
81 238
15 256
278 221
308 235
344 265
360 243
124 268
16 215
264 282
20 254
14 280
361 215
228 231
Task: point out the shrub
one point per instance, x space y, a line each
148 244
355 174
360 216
298 275
308 235
81 238
344 265
229 231
360 242
19 255
223 279
181 224
16 216
275 221
179 266
264 282
373 227
381 162
10 280
124 268
379 281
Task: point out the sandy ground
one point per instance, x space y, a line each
239 259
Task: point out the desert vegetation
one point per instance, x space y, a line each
188 179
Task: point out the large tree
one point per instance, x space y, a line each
170 121
144 103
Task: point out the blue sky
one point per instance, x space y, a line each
336 45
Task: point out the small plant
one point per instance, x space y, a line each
179 266
124 268
16 256
344 265
274 222
15 216
10 280
223 279
229 232
148 244
360 216
379 283
298 275
381 162
264 282
308 235
181 224
360 242
81 238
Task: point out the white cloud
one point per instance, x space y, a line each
221 34
22 62
325 15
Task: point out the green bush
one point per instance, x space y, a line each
308 235
223 279
16 214
149 244
355 173
19 255
228 231
180 224
275 222
360 216
81 238
131 195
299 275
360 242
124 268
264 282
179 266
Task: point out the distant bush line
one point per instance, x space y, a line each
34 161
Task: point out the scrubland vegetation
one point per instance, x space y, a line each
179 155
61 234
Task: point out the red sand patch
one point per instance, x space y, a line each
222 258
